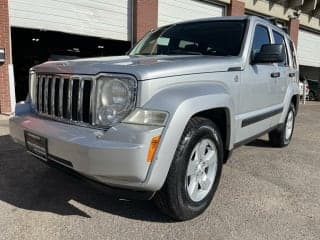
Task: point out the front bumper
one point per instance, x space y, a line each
116 157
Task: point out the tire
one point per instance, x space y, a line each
176 198
312 96
281 137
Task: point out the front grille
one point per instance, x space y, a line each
64 97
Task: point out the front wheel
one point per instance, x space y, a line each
194 173
282 136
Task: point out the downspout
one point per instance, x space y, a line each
12 91
132 21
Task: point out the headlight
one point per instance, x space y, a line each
116 98
147 117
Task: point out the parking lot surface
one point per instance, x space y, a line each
264 193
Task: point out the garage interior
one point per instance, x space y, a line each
312 73
31 47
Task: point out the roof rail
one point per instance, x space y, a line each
275 21
272 20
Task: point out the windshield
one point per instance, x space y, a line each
219 38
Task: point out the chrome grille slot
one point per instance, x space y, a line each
40 97
37 97
49 95
65 94
56 97
60 106
75 99
45 95
64 98
86 101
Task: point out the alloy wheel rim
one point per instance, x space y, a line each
201 170
289 125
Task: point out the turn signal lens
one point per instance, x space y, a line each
147 117
153 148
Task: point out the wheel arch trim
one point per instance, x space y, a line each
183 103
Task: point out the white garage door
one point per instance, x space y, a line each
171 11
105 19
309 48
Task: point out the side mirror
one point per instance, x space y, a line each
2 56
269 53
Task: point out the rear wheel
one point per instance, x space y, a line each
281 136
195 171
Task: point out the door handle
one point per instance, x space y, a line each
275 74
292 74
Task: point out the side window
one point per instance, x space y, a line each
279 39
261 37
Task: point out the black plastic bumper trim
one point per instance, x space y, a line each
248 121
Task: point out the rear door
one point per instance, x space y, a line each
293 64
282 82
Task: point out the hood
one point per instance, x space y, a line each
142 67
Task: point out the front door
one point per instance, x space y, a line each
257 91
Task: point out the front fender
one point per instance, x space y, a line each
182 102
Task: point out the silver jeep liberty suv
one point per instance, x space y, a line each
160 122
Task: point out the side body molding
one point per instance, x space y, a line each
182 102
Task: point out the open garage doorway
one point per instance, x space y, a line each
31 47
312 76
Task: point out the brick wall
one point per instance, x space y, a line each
236 8
145 17
4 43
294 30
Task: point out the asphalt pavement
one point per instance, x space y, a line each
264 193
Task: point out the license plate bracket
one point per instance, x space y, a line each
36 144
